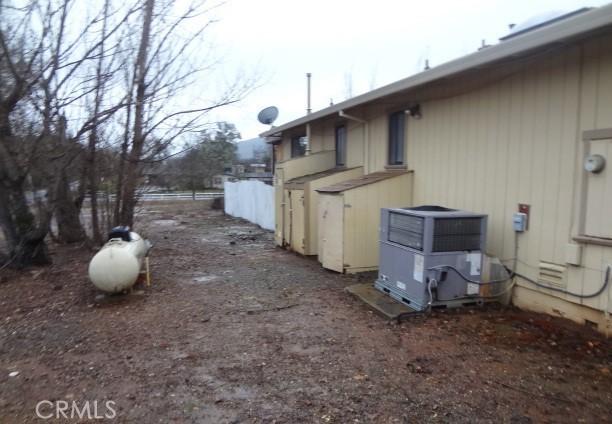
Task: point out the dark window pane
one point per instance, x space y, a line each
298 146
341 146
396 138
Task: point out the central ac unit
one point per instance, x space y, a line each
431 255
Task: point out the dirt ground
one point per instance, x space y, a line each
235 330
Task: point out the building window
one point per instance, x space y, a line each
341 146
298 146
396 138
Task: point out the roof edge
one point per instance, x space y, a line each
539 37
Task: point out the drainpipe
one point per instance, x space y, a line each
366 138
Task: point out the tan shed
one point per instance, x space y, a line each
300 214
290 169
349 216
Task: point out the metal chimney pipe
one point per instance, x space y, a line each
308 110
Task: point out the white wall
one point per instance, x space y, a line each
251 200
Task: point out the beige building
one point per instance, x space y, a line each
512 124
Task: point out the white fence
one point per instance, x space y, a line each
178 196
251 200
142 196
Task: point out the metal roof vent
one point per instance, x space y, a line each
541 20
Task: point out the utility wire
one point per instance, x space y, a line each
536 283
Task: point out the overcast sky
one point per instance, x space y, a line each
369 43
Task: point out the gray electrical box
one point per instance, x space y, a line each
420 244
519 222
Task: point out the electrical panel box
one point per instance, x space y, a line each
431 249
519 222
573 254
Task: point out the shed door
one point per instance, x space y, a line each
598 216
331 231
286 224
297 220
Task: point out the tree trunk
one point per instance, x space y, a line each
121 172
92 179
26 242
108 212
133 171
129 198
92 174
69 227
60 201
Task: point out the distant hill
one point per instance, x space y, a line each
254 148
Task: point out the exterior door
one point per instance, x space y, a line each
297 220
286 218
331 231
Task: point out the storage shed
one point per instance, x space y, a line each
349 216
300 215
290 169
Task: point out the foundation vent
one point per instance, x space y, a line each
552 274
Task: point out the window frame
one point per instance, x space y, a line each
340 153
297 148
396 139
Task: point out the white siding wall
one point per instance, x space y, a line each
354 144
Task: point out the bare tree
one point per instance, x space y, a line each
90 174
165 68
41 63
61 88
127 196
22 67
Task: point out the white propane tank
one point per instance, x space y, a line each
117 265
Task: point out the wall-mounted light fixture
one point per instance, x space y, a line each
594 163
414 111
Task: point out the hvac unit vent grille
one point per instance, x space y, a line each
552 274
406 230
456 234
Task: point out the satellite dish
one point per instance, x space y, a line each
268 115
